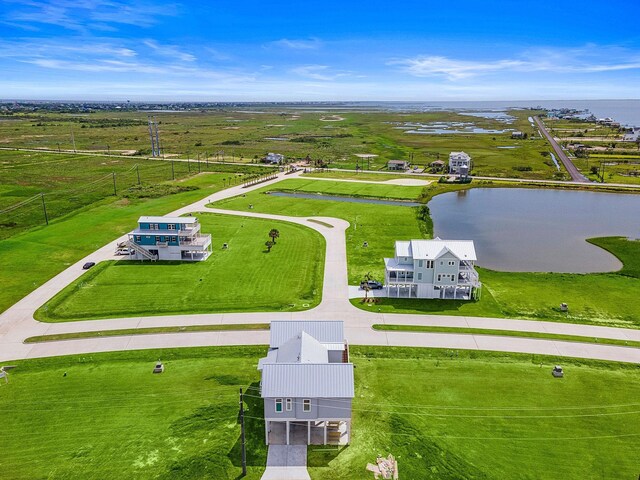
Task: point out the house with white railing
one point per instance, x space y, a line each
460 163
435 268
168 238
307 384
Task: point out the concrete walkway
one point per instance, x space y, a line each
286 462
17 322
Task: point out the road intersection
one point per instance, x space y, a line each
17 322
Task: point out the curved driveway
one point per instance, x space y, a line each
17 322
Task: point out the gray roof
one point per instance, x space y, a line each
302 348
307 380
322 331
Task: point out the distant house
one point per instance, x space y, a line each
274 158
632 135
437 165
307 383
169 238
517 134
432 269
460 163
397 165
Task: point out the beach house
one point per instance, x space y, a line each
433 269
274 158
460 163
307 384
168 238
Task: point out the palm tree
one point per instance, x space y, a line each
269 244
274 233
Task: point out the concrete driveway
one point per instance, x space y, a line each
286 462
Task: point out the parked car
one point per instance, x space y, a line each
88 265
124 251
371 284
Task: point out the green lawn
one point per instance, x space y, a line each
31 258
597 298
444 414
352 189
379 225
111 418
474 415
244 277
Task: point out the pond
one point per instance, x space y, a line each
537 230
336 198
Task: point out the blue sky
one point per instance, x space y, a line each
309 50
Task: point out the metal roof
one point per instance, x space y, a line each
167 220
393 266
307 380
433 249
322 331
302 348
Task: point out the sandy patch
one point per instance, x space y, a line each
331 118
365 155
408 182
231 128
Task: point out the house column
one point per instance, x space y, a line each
287 432
325 432
308 432
455 291
348 431
266 432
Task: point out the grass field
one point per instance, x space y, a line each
243 277
31 258
70 182
236 135
379 225
110 417
444 414
597 298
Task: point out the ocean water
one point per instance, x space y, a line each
627 112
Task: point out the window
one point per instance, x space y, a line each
171 226
429 263
278 405
174 239
452 263
419 276
306 405
420 263
441 263
138 238
157 238
289 405
439 277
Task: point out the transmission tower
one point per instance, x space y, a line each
154 136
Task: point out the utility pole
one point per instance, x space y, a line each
138 172
73 141
44 209
115 192
244 445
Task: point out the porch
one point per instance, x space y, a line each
308 432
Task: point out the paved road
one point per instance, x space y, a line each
17 322
576 176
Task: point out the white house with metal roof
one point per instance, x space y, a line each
307 383
433 269
169 238
460 163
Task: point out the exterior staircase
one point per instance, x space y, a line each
138 249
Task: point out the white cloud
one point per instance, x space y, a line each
317 72
170 51
588 59
297 44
